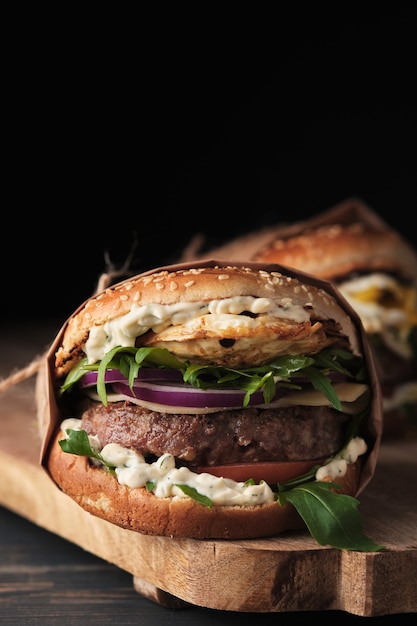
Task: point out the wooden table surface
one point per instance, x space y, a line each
45 579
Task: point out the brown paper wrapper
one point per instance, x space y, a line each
49 416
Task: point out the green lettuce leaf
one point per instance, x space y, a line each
192 493
282 371
331 518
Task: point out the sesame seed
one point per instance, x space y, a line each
173 285
189 283
124 297
223 276
160 286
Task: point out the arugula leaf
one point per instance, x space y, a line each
263 377
192 492
101 373
332 518
322 383
284 366
158 357
342 361
282 371
76 374
78 443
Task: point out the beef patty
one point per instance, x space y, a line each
238 436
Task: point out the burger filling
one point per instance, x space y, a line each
241 380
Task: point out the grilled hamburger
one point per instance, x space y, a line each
215 400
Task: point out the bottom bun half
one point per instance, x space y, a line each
98 492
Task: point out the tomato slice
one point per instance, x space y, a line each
271 472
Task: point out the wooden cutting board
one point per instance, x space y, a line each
283 574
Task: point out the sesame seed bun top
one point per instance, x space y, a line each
208 281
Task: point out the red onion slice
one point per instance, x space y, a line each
188 396
114 376
166 387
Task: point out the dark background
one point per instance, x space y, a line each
155 137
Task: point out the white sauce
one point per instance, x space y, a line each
133 471
338 466
157 317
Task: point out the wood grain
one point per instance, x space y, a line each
282 574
